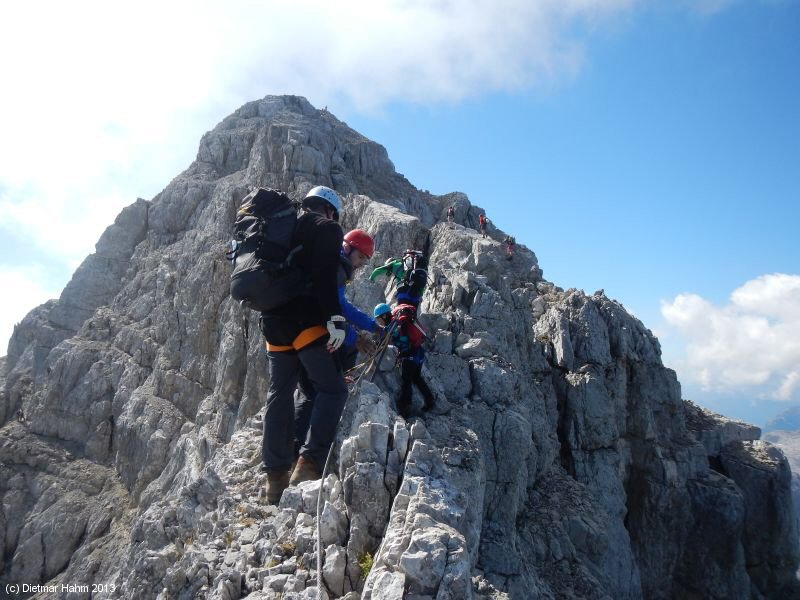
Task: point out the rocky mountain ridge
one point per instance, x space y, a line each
560 462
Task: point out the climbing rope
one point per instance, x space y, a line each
374 360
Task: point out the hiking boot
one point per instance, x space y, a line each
305 470
277 481
404 410
264 469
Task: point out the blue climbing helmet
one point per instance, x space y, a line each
381 309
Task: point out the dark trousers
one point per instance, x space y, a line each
411 373
304 397
324 374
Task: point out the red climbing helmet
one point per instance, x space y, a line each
361 241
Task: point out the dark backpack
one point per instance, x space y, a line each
415 278
261 252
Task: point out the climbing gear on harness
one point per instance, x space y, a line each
412 333
361 241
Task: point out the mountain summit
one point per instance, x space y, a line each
560 461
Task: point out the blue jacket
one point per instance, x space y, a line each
349 312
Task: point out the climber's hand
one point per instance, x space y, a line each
337 333
365 344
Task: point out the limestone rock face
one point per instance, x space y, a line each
784 432
717 431
762 472
559 461
753 478
789 444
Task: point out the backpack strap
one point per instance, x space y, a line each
290 257
345 263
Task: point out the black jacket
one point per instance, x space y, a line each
321 239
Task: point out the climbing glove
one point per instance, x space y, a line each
337 333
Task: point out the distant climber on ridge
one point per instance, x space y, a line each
509 242
482 222
451 213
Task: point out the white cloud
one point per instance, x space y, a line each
104 102
750 344
788 386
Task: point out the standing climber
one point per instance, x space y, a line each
451 213
482 223
306 332
408 336
357 248
509 243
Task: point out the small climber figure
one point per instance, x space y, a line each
408 336
451 213
509 243
482 222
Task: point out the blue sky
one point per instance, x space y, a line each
671 164
674 157
650 149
